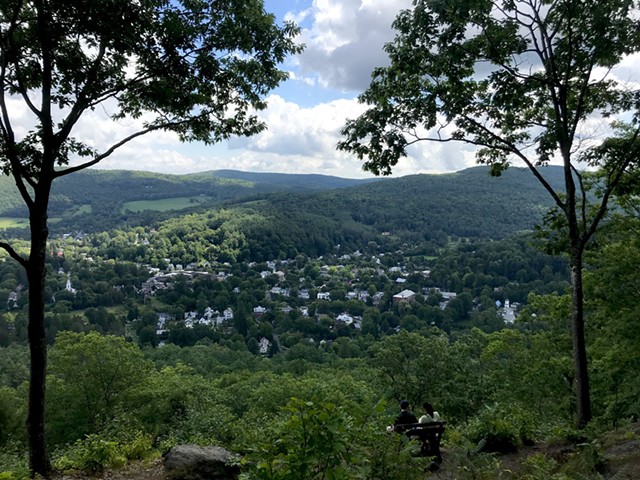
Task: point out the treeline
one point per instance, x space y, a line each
425 210
101 190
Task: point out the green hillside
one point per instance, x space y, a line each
275 215
421 213
99 200
469 203
424 210
108 190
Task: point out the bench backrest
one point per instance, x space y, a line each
422 430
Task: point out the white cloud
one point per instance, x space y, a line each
303 140
295 130
345 42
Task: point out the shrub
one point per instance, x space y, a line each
501 428
95 453
13 461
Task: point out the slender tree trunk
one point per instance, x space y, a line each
38 458
583 398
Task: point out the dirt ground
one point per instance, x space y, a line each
145 470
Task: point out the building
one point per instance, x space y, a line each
404 296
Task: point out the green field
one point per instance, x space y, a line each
162 205
83 209
7 222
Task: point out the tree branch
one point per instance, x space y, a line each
13 254
102 156
81 103
612 184
114 147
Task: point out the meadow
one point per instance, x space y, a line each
9 222
160 205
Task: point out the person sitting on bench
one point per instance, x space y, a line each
429 414
405 417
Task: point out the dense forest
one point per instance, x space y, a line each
266 216
272 326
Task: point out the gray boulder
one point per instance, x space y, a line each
193 462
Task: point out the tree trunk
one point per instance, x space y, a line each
38 458
583 400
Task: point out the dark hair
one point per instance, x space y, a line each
428 408
404 404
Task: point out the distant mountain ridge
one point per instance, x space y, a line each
115 187
310 181
315 211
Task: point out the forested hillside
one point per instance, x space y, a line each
104 190
316 313
255 223
421 208
417 212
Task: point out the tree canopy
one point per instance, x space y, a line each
527 81
199 69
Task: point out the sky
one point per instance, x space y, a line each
344 42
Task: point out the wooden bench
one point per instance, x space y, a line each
429 435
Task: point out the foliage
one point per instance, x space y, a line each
192 68
316 439
501 428
542 86
311 442
14 462
95 453
414 367
92 379
585 462
12 415
616 364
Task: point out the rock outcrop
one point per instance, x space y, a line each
193 462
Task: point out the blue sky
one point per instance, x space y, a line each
344 40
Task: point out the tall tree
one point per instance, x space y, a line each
194 67
526 81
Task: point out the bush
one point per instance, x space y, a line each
95 453
501 428
14 463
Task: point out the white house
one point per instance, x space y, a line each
264 346
345 318
303 294
404 296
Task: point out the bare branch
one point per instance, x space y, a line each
81 103
115 146
102 156
13 254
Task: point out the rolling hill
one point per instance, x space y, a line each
279 214
113 188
